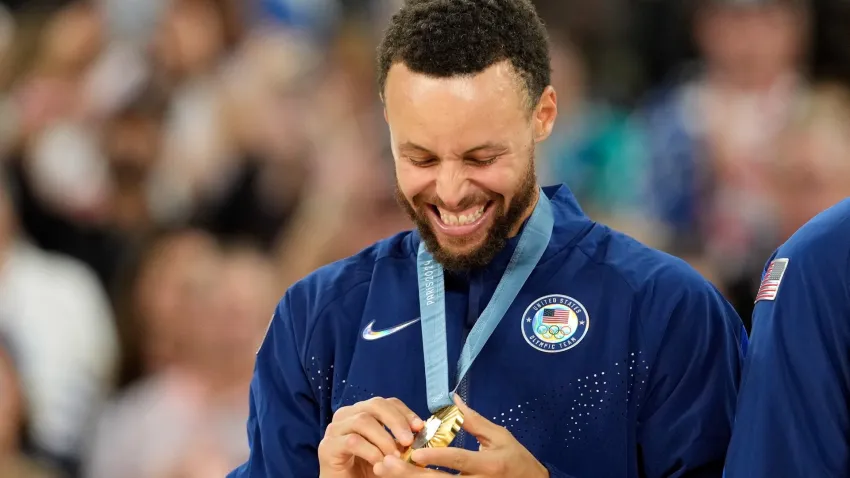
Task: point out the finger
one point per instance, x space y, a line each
413 419
355 445
368 427
344 412
473 422
393 467
464 461
390 415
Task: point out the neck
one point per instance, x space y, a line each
527 213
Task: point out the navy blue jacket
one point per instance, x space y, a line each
645 385
793 417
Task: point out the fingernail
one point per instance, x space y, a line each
417 422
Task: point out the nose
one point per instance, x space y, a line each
452 185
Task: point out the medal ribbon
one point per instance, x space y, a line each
432 304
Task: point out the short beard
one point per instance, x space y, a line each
497 237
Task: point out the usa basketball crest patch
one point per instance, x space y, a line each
555 323
772 279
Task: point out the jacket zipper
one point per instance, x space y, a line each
463 391
475 288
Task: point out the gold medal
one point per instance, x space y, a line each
439 431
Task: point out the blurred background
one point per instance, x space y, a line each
169 167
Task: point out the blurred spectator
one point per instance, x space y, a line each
59 320
711 138
66 46
57 168
812 171
186 50
348 199
204 311
88 192
169 286
132 141
266 142
594 149
13 422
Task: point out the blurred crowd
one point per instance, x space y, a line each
170 167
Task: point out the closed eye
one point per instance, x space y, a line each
482 161
422 161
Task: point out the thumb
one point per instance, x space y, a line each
475 424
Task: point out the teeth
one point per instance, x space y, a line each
462 219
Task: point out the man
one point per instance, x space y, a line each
793 417
724 120
589 355
57 316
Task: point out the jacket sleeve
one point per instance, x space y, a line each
686 413
792 417
284 419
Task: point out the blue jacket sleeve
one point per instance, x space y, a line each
284 420
686 414
792 418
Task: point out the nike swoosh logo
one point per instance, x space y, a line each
370 334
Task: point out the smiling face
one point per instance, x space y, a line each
464 153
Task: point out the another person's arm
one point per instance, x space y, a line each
792 417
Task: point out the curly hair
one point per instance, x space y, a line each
447 38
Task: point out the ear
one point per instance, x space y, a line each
544 114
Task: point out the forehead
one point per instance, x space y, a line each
468 108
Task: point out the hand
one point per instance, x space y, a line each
500 455
357 438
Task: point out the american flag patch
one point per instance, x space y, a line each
772 277
556 316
